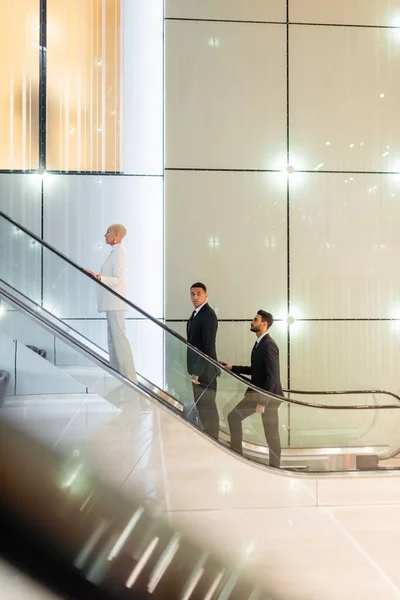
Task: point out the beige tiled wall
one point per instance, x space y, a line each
248 93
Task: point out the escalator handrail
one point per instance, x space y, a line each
340 392
99 358
187 344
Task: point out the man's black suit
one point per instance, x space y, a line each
201 333
265 374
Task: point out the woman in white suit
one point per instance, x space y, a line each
113 275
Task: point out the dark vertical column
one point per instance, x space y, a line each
42 119
288 208
42 84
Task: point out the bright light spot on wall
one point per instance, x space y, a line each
270 243
290 319
214 42
214 243
297 161
284 176
352 145
319 166
381 95
41 175
328 143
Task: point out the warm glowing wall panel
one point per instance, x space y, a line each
83 85
19 90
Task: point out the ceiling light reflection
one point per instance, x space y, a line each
225 486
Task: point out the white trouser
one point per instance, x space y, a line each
120 352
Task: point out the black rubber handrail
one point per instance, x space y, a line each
198 352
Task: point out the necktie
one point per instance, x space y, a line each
254 347
191 319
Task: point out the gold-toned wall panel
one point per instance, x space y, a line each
83 85
19 90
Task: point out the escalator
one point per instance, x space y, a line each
54 304
80 539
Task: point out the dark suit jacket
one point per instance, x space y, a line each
201 333
264 370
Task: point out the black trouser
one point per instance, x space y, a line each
204 397
270 421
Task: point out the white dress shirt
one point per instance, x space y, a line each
198 309
113 274
258 340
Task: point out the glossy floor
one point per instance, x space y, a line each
14 586
303 538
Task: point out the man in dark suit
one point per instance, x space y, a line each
265 374
201 333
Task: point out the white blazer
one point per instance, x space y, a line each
113 274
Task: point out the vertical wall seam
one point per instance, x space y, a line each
288 209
